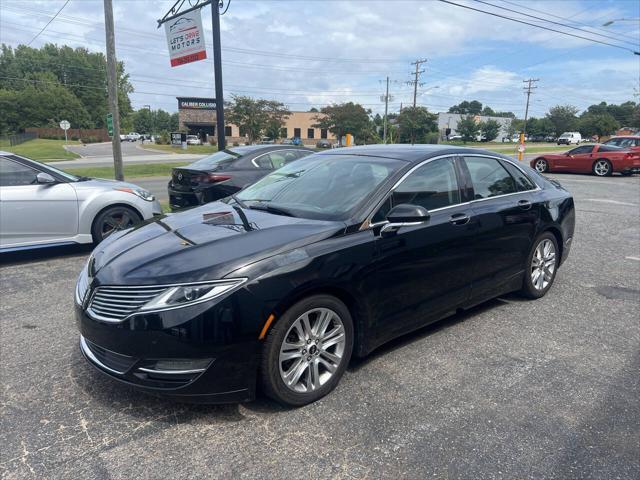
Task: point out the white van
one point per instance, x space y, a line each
568 138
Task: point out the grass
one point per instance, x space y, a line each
41 149
190 148
134 171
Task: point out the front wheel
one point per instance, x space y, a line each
541 165
113 219
542 264
602 168
307 351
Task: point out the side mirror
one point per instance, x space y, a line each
404 215
45 178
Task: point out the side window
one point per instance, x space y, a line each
523 183
583 149
433 185
14 174
489 177
263 161
277 159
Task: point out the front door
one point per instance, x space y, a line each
424 271
32 212
576 160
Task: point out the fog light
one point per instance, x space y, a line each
178 366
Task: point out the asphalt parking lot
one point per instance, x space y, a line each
511 389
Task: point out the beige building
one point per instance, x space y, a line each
198 117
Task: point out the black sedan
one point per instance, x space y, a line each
224 173
325 258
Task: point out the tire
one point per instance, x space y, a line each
306 369
118 217
602 168
534 286
541 165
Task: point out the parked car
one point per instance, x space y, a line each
328 257
267 141
627 141
132 137
601 160
550 138
193 140
286 141
42 206
569 138
455 138
224 173
324 143
537 138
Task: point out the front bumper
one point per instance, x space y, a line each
129 351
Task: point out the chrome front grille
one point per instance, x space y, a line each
116 303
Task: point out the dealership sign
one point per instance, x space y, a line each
185 39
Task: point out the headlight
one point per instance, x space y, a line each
191 294
140 192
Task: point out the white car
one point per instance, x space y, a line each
193 140
41 206
132 137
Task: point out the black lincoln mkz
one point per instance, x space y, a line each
329 256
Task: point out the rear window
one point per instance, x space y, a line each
217 161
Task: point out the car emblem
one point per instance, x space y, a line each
180 176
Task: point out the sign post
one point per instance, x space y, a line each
65 125
186 44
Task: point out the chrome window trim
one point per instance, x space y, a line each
453 156
253 160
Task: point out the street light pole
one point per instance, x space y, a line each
217 66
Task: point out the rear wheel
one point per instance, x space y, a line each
307 351
541 165
602 168
542 265
113 219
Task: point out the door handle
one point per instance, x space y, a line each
459 219
524 204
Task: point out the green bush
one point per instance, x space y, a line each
89 139
431 137
164 138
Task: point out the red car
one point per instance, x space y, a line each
601 160
632 142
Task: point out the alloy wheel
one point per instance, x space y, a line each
541 166
601 168
543 264
118 219
312 350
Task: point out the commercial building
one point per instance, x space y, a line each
198 117
450 121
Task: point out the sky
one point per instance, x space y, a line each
313 53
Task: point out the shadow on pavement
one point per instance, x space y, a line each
41 254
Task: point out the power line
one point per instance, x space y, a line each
554 22
49 22
540 26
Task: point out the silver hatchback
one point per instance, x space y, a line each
42 206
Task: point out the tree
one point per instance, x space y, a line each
414 123
563 118
473 107
468 128
346 118
313 109
256 117
490 129
599 124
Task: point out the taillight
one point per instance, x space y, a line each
213 178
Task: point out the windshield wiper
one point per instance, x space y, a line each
83 179
270 209
238 201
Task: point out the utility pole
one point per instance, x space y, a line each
112 82
527 89
385 99
416 80
217 73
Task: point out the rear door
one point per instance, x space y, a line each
507 215
424 270
32 212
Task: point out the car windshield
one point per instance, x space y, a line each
325 187
214 162
620 142
49 168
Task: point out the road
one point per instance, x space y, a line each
511 389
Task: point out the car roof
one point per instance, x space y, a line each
246 149
407 153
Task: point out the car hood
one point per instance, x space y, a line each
102 183
203 243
